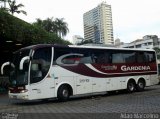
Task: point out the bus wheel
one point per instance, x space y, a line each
140 85
63 93
131 86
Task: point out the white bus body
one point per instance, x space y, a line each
48 71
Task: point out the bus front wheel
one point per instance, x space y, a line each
131 86
63 93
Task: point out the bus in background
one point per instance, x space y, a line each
52 71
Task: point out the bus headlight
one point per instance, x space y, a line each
23 91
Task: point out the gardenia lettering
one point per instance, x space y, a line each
135 68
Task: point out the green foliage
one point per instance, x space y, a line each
12 28
56 26
11 6
14 8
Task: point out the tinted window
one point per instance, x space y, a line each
129 57
101 56
123 57
40 64
150 56
117 58
19 77
71 56
140 57
87 57
64 56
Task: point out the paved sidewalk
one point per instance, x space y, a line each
146 102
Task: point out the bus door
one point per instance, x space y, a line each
41 83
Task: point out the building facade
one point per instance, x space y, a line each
147 42
77 39
98 27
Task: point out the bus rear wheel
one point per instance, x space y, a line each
131 86
140 85
63 93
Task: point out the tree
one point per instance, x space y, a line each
49 25
13 8
62 27
17 30
57 26
38 22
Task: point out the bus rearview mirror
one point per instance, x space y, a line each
24 59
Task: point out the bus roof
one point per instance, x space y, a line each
111 48
84 46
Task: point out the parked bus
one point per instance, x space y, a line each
46 71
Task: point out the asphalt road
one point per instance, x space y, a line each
122 105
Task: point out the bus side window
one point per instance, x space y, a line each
104 58
129 57
141 57
86 58
150 57
100 57
117 58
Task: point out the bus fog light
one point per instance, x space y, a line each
25 97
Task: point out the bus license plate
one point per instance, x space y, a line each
14 96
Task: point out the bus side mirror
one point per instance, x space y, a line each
5 64
26 58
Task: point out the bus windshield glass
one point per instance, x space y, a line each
19 77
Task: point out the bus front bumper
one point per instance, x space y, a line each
23 96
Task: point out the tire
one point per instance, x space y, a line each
131 86
63 93
140 85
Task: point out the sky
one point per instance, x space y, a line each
132 19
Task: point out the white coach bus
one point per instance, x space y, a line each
49 71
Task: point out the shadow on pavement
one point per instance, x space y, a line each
96 96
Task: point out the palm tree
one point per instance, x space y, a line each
14 8
38 22
57 26
62 27
48 25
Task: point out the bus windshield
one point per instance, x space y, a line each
19 77
40 64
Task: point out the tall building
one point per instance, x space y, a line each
98 26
